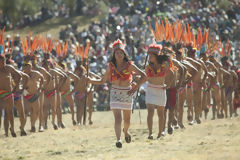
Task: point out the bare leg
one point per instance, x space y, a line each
160 111
45 114
90 106
181 100
224 103
34 114
217 101
230 100
197 103
150 115
165 119
118 122
170 119
204 103
41 101
127 118
6 124
20 109
9 114
190 104
71 105
52 101
59 111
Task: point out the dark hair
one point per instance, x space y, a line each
162 58
81 69
113 59
224 59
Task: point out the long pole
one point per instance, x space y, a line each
85 105
136 99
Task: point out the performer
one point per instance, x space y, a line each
80 89
156 90
120 71
18 96
47 77
185 91
197 81
50 90
66 91
31 95
222 78
7 72
230 84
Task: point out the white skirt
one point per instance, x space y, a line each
119 98
156 95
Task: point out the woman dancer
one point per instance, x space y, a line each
156 90
119 72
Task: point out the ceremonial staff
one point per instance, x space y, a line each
86 92
136 98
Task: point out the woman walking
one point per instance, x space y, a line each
156 89
119 72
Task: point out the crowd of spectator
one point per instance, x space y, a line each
129 21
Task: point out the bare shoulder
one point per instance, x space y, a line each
210 63
10 67
194 62
35 72
41 69
225 72
23 74
189 65
201 62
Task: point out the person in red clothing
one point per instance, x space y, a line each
119 72
156 90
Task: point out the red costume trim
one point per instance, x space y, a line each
121 75
152 73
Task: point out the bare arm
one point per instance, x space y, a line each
212 66
25 79
169 77
39 76
62 77
93 75
73 76
191 70
235 79
180 70
135 69
204 68
226 76
16 75
195 63
212 82
101 80
45 73
216 63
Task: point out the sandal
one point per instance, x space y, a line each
198 121
170 130
128 139
150 137
119 144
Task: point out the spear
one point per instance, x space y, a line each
136 98
85 100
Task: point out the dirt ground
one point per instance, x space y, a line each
212 140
